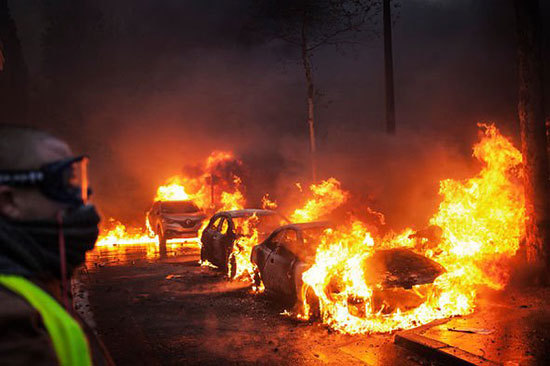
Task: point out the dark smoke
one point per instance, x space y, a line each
150 88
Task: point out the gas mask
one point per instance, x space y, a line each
64 181
67 238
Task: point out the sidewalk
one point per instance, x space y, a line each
508 328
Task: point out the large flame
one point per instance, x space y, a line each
481 224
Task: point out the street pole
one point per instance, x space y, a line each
212 203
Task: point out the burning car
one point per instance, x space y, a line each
282 258
175 219
227 227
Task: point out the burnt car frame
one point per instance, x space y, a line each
219 236
282 258
175 219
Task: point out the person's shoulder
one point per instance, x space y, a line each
24 339
13 305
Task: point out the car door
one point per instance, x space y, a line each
208 234
222 241
278 267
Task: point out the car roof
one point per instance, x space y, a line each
306 225
160 201
247 212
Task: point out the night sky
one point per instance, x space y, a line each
149 88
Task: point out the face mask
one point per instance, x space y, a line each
80 232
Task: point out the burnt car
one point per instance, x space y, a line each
219 237
175 219
289 251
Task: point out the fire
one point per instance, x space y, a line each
116 233
233 200
240 266
218 187
173 190
202 189
327 195
477 228
267 203
483 219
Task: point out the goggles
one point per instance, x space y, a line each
64 181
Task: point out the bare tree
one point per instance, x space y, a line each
309 25
533 135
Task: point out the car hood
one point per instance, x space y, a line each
393 268
185 216
401 268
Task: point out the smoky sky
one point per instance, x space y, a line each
150 88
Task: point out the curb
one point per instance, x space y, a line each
439 351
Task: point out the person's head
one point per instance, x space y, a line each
25 148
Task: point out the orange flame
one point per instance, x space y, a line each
327 196
240 266
176 188
267 203
481 222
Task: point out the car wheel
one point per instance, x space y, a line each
232 266
314 311
256 278
204 256
162 241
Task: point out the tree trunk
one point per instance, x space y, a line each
388 62
13 71
310 102
533 136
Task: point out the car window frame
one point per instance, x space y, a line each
283 244
269 243
212 224
221 224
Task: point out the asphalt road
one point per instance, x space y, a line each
171 311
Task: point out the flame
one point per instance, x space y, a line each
267 203
233 200
327 196
227 195
240 267
114 232
173 190
480 224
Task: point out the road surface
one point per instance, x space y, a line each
171 311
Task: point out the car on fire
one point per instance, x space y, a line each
282 258
175 219
224 228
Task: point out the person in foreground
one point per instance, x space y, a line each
46 227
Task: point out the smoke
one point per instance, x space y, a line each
149 89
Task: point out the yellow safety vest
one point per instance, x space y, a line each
68 339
